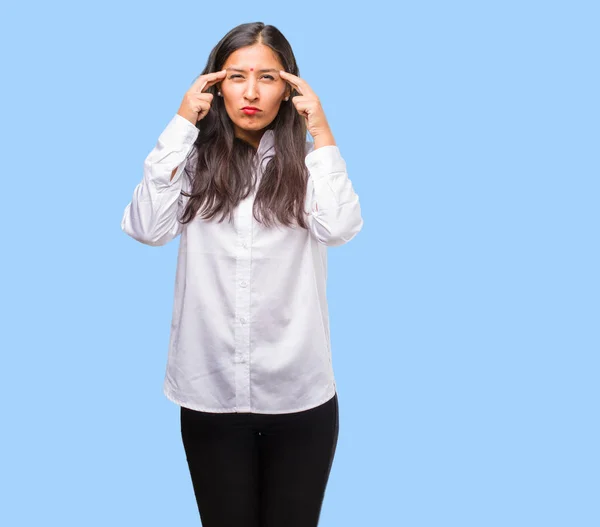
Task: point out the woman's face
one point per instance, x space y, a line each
253 80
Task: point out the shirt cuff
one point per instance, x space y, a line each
324 161
179 131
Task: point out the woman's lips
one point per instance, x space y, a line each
250 111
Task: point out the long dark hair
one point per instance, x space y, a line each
222 176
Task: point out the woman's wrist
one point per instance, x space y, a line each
324 139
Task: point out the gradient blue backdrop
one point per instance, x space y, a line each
465 316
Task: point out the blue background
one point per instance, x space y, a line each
464 316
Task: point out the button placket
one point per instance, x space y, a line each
242 305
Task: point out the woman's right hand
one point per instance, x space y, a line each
196 104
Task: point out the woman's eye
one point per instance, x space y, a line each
265 76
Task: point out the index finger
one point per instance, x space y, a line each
296 82
206 81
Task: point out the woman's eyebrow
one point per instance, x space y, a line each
233 68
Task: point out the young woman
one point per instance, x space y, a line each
256 205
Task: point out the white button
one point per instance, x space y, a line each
244 284
245 245
243 320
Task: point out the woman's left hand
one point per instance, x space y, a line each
308 105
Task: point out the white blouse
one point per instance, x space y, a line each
250 325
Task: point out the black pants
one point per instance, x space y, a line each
260 470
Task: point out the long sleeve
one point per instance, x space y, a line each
335 215
152 215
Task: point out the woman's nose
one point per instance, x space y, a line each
251 91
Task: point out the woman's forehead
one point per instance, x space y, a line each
258 57
246 69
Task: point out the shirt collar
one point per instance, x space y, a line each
267 141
